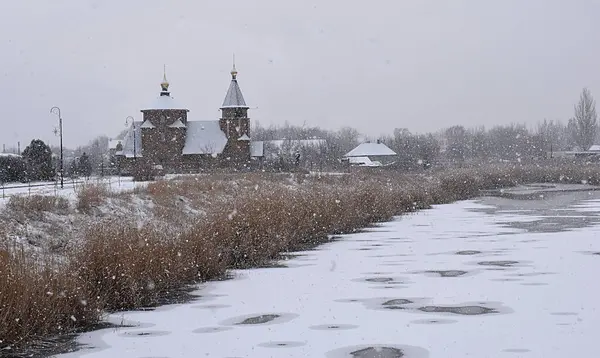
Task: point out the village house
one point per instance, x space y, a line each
370 155
167 139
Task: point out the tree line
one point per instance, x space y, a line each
453 145
36 163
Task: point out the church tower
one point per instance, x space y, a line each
234 122
164 129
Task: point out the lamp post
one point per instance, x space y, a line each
133 127
56 110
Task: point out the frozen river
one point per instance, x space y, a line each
485 278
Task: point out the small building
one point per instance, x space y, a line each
371 154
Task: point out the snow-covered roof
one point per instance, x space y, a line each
234 97
595 148
257 149
164 102
177 124
204 137
128 141
370 149
244 137
9 155
364 162
147 124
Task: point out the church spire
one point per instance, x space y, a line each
234 97
164 85
234 71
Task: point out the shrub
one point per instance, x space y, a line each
90 196
35 205
38 298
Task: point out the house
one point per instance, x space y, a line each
370 154
167 138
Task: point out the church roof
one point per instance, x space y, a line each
128 141
147 124
177 124
204 137
234 97
370 149
164 102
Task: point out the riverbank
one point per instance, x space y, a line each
137 247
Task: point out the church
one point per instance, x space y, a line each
167 140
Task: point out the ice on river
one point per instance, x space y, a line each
459 280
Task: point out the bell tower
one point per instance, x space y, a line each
234 122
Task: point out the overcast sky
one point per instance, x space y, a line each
373 65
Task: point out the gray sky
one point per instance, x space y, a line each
374 65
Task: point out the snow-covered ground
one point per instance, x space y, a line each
468 279
70 187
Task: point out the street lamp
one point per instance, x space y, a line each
56 110
133 126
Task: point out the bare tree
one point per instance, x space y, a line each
584 125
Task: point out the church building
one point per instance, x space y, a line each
167 139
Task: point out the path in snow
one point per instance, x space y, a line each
505 279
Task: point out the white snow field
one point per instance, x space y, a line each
69 189
459 280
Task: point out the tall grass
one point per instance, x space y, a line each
249 220
34 206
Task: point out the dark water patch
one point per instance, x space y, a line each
564 313
379 351
259 319
447 273
333 327
364 249
434 321
383 280
397 301
134 334
210 307
282 344
380 279
534 284
501 263
460 310
516 350
211 329
468 252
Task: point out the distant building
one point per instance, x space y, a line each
166 138
370 154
